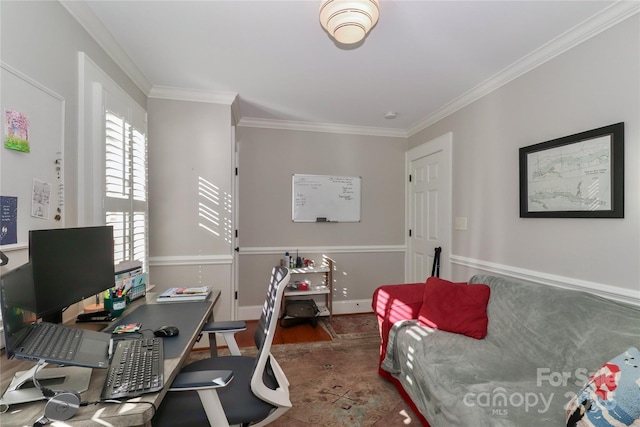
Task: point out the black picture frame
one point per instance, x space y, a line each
576 176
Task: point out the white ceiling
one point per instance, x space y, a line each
422 60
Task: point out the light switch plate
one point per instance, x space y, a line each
460 223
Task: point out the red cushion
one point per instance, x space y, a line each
455 307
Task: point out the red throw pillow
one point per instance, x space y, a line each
455 307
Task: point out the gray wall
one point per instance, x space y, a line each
190 188
41 40
366 253
592 85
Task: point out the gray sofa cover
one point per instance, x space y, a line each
542 345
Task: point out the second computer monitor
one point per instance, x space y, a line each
69 265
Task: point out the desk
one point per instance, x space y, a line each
116 415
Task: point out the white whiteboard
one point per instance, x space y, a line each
325 198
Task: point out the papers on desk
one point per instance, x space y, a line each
199 293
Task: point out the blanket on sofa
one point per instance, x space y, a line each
542 345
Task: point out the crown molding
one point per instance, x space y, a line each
614 14
587 29
320 127
236 114
194 95
96 29
582 32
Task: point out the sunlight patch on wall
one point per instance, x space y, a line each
214 209
209 219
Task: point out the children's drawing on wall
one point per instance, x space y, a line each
16 131
40 199
8 220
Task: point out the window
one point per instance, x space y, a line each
126 187
112 153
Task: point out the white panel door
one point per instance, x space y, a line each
429 207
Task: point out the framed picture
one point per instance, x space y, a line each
576 176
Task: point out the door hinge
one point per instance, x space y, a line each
409 232
235 295
409 177
236 171
236 233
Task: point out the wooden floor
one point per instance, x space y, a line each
296 334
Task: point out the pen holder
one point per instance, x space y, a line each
115 305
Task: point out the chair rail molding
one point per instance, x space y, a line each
628 296
164 261
264 250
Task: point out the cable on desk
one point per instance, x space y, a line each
46 392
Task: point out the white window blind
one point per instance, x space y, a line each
126 187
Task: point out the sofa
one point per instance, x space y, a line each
500 352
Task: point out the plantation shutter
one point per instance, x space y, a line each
126 186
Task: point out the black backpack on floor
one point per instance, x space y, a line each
299 311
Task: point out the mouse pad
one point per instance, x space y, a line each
185 315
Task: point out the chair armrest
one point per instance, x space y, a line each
206 383
197 380
225 326
227 329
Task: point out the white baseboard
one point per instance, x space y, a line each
339 307
352 306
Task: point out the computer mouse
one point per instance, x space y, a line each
166 331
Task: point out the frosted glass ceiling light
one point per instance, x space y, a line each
348 21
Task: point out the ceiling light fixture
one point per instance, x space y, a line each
348 21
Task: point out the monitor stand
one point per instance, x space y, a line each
22 389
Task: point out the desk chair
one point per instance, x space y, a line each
233 390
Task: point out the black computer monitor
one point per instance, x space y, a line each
69 265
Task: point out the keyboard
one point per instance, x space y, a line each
137 367
56 342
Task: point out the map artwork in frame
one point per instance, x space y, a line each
576 176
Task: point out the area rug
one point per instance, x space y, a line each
352 326
335 383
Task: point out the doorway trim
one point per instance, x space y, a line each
442 143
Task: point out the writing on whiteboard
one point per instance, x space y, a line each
334 198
